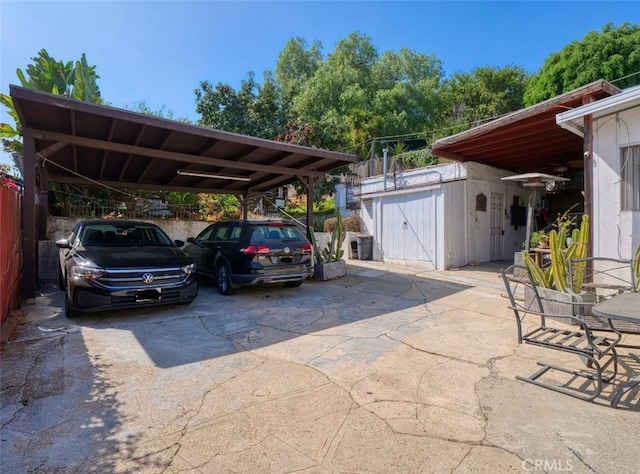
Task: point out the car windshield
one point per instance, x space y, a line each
127 235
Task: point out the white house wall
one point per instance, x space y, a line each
428 216
617 233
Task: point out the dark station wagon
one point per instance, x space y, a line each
119 263
250 252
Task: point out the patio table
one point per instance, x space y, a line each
622 307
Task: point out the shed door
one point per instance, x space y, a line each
409 227
497 233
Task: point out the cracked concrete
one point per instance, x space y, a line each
389 369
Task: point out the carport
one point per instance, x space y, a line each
69 141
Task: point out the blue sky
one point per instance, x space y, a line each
159 51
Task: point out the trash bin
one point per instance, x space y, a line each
365 247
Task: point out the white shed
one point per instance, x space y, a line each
444 216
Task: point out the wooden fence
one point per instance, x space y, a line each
10 250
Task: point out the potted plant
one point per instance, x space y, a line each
329 263
539 238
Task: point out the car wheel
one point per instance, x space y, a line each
68 312
292 284
225 285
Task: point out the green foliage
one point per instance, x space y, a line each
320 207
538 238
609 55
398 148
254 109
484 93
46 74
182 198
143 107
296 64
219 206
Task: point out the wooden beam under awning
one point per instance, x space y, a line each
167 155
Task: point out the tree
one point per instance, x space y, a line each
482 94
142 107
77 80
296 64
253 110
613 55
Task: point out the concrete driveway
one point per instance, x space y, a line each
389 369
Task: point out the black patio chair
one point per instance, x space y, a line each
565 332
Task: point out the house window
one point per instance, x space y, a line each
630 178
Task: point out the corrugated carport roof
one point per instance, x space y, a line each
84 142
528 140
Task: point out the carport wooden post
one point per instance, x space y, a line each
44 200
29 240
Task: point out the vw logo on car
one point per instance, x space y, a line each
147 278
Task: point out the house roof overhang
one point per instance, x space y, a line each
573 120
528 140
85 143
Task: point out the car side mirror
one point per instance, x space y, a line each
179 243
63 244
191 240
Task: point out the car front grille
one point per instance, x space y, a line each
126 278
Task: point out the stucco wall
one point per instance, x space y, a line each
617 233
61 227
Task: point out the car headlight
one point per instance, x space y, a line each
86 273
189 269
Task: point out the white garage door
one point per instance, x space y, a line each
409 228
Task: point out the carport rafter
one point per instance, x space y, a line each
167 155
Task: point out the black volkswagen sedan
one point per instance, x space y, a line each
118 263
252 252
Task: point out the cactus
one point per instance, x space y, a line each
333 251
536 272
556 275
558 263
581 252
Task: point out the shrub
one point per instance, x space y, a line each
353 223
349 224
329 224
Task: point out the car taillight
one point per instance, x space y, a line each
307 248
255 249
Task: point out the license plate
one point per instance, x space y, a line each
144 296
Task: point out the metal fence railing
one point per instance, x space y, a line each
114 209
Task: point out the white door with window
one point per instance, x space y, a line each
497 231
